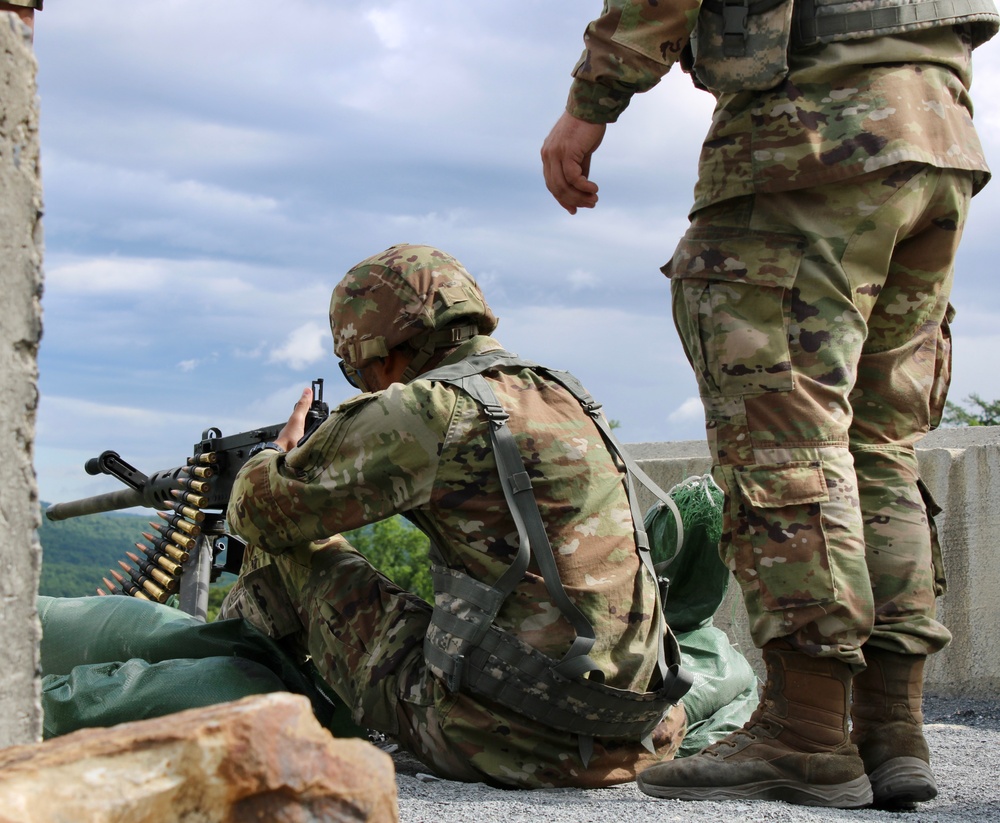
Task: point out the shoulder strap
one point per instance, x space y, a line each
467 376
632 473
520 497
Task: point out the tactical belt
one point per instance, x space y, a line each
472 653
815 21
822 23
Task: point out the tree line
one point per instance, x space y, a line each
77 553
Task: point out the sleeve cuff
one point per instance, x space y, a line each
595 102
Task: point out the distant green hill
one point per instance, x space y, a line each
77 553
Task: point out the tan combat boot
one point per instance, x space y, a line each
795 747
887 728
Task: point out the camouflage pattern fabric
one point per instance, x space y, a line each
811 295
423 448
817 324
825 21
398 294
365 636
758 61
627 50
844 110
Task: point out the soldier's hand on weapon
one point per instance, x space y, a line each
566 155
295 428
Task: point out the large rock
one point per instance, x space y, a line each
262 758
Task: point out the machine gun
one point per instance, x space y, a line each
191 547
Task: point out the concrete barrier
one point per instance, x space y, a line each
20 330
962 469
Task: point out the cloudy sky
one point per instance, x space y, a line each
211 169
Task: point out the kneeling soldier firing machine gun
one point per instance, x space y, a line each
548 655
191 547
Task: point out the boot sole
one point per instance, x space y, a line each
903 781
854 794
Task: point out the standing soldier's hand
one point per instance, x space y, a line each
566 155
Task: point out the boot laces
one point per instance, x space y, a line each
758 720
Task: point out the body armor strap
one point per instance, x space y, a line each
568 694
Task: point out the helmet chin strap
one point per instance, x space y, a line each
432 342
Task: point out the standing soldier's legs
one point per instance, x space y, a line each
899 394
772 298
903 378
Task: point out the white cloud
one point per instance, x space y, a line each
217 290
389 27
579 279
192 194
251 354
690 409
107 275
974 366
305 346
156 189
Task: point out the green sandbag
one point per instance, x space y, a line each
693 582
106 660
693 577
724 693
104 694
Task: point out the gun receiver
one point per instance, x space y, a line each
193 544
209 473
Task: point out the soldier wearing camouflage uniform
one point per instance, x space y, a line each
421 447
811 296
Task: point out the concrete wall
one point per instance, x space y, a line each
962 469
20 331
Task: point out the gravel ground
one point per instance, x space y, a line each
964 737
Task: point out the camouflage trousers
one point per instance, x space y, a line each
365 636
816 321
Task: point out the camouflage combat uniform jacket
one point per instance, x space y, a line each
846 108
423 449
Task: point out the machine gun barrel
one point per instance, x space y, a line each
155 492
124 499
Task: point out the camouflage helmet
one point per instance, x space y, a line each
415 294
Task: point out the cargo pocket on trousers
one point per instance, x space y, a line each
937 556
259 597
942 368
780 539
732 306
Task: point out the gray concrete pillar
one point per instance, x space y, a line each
20 331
